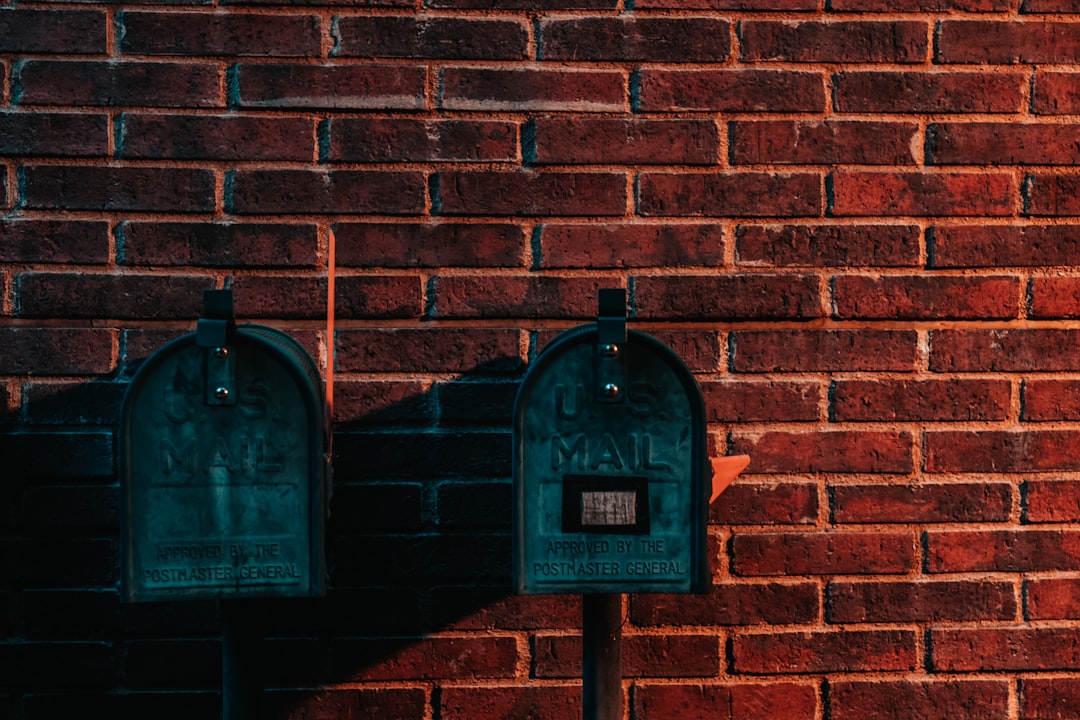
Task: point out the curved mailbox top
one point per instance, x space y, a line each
224 471
610 469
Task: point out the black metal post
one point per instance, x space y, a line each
241 660
601 626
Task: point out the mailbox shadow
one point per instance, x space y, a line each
418 548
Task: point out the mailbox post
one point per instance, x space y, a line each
611 482
224 480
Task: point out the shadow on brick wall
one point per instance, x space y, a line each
418 545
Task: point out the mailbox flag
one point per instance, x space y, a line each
724 472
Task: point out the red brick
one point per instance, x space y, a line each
411 350
833 42
178 190
699 349
219 244
54 241
835 451
589 141
727 297
796 5
774 503
158 705
919 5
1051 195
426 658
741 401
531 193
56 351
612 245
815 553
1003 245
1005 350
824 652
341 87
397 703
725 702
1004 648
1002 144
758 351
490 608
732 604
1005 42
522 4
157 84
928 700
407 559
1056 93
920 602
62 508
933 92
1052 598
920 297
663 90
1052 501
1048 6
641 39
1048 698
445 38
742 194
261 192
822 142
922 503
1002 451
828 245
667 656
1002 551
57 562
367 296
216 137
516 297
1048 400
546 702
206 33
53 32
77 295
1054 297
53 134
933 400
408 140
388 402
923 194
527 89
439 244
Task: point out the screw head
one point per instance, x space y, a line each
221 352
611 390
610 351
222 393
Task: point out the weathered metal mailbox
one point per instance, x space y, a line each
223 466
611 476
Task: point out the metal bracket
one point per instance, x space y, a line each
610 385
213 333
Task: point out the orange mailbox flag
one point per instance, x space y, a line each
724 471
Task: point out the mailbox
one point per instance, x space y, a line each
223 466
611 476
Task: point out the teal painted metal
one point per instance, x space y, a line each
224 474
611 476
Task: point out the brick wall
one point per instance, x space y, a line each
856 220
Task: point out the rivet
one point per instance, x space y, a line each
611 390
221 393
610 351
221 353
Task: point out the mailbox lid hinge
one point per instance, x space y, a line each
610 375
214 333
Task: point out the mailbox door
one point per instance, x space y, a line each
224 492
610 488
